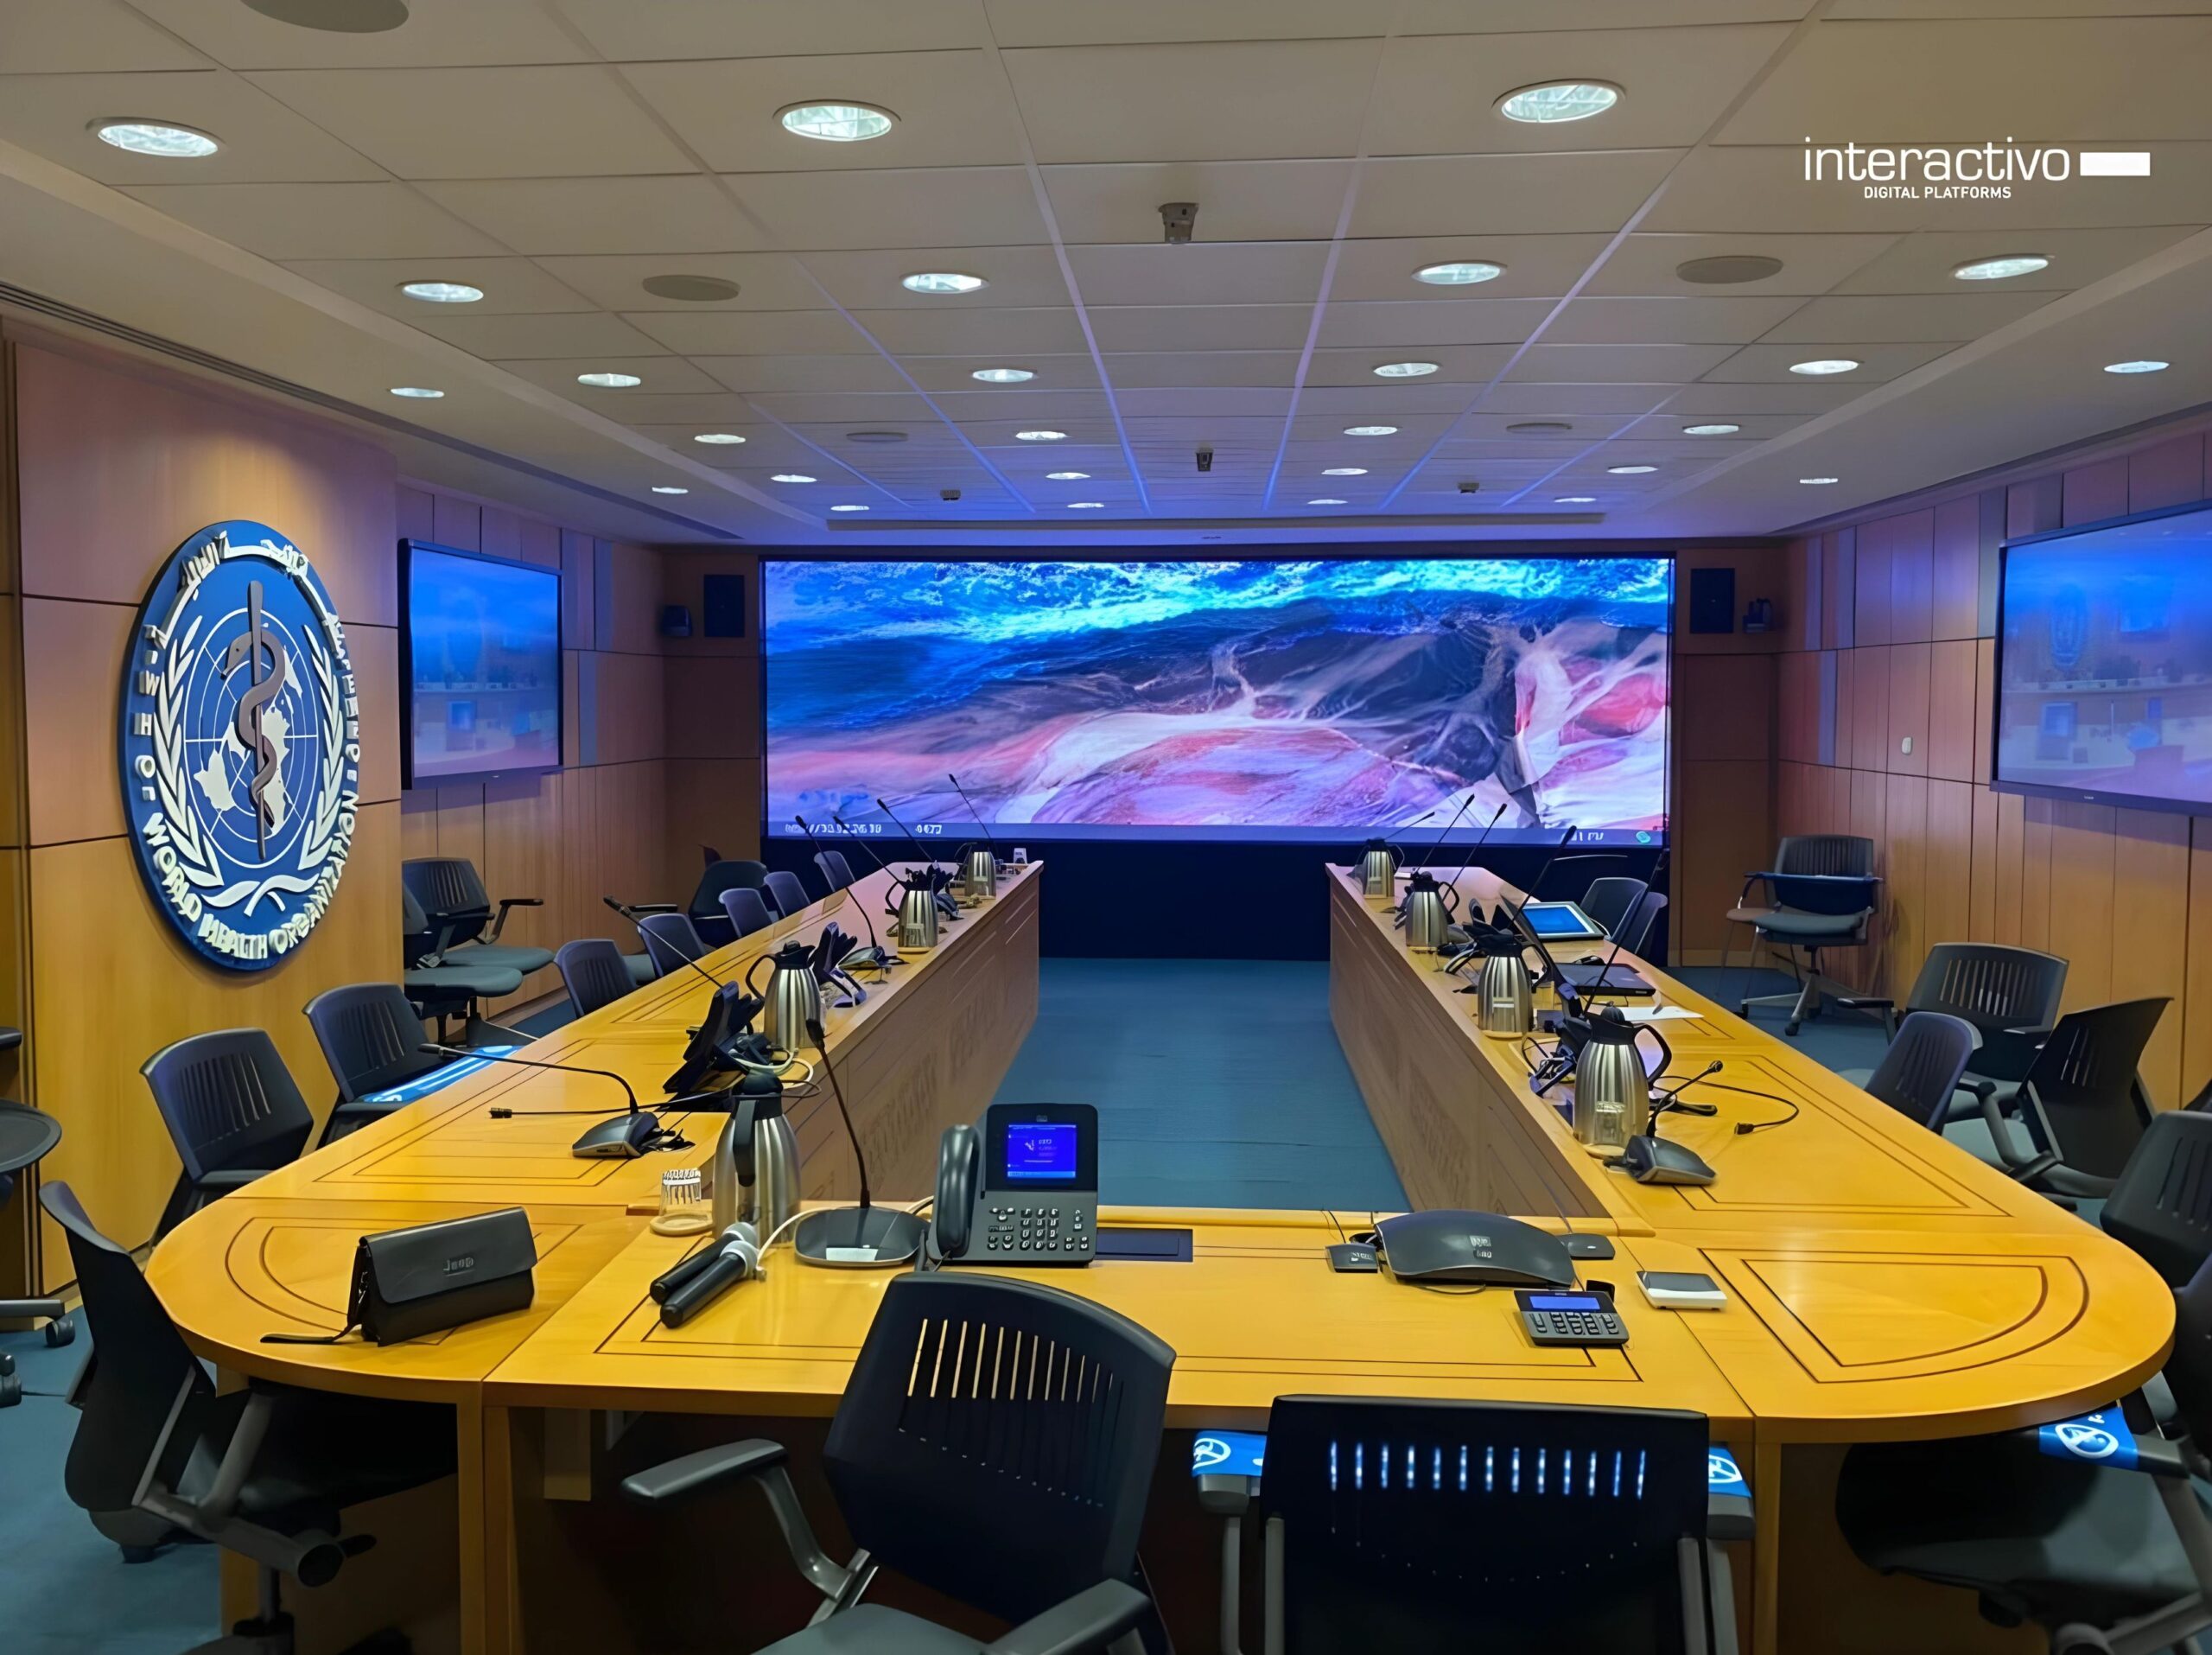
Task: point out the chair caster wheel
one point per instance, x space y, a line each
2080 1640
7 1366
140 1553
11 1390
1790 1028
59 1332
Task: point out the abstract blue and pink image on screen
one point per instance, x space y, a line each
1275 698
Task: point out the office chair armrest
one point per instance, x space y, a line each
763 1463
1721 1600
2000 1136
239 1455
232 1177
654 907
1090 1621
1727 1497
499 924
2105 1438
2028 1171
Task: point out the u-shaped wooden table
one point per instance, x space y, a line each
1883 1284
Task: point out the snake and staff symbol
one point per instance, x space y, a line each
259 726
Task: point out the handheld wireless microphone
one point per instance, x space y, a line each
705 1276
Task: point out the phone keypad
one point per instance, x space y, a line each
1038 1233
1576 1327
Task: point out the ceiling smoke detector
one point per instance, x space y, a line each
1728 269
1178 219
691 290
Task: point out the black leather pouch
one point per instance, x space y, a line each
433 1276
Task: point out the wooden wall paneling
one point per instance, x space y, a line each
2167 474
1984 708
714 706
1727 827
73 659
2088 493
1872 598
2196 976
1955 559
375 655
624 716
1799 603
2080 926
1951 710
1840 590
418 824
416 514
1726 706
1909 699
2149 925
1845 706
521 838
457 523
1912 577
1869 820
1870 712
460 821
1981 912
1905 933
537 542
1947 905
499 532
626 598
1797 695
2035 873
2033 506
711 804
579 610
2012 842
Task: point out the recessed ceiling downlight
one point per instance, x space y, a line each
790 477
837 123
609 381
1326 500
1726 270
848 508
1459 272
2003 268
689 288
441 292
1717 428
2147 364
1041 436
420 393
1067 476
1630 471
1403 370
160 139
335 16
1370 430
1003 376
1823 366
1557 102
719 439
1575 499
1344 471
669 488
1086 505
942 282
1819 482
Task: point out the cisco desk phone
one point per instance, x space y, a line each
1023 1191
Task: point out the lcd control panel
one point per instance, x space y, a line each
1040 1198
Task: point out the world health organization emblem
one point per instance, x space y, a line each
241 745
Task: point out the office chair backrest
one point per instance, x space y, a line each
724 875
228 1101
143 1370
2085 1087
1609 900
785 891
2189 1365
1992 986
447 887
370 1038
997 1439
1475 1526
672 939
1826 860
1637 927
748 911
1918 1073
2162 1206
836 872
592 971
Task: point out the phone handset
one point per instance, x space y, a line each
959 1178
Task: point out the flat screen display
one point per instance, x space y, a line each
1314 699
1041 1154
482 663
2104 663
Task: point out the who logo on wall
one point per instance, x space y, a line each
240 745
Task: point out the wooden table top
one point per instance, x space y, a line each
1883 1283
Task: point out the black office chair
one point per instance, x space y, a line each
1918 1073
671 941
2083 1103
836 872
2010 995
452 894
593 972
748 911
1417 1526
436 988
786 893
1609 900
705 907
1821 893
2161 1205
2072 1538
372 1040
996 1443
263 1471
232 1112
26 1136
1636 926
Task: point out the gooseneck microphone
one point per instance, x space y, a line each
946 905
886 957
638 922
1667 1100
1408 828
623 1138
989 844
707 1275
863 1237
875 945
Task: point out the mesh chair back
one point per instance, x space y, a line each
1609 900
997 1439
1492 1526
592 971
746 911
724 875
836 872
447 887
228 1101
1637 927
2088 1107
1992 986
142 1371
2189 1366
370 1038
670 940
785 891
1827 863
1918 1073
2162 1206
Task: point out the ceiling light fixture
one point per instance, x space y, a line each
848 508
1041 436
1460 273
1717 430
421 393
2146 366
1327 500
1576 499
1067 476
669 488
1824 365
161 139
837 123
1629 471
790 477
336 16
1726 270
2002 267
441 292
1002 376
1403 370
719 439
1370 430
690 290
609 381
1557 102
941 283
1086 505
1819 482
1344 471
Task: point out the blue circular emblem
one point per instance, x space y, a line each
240 745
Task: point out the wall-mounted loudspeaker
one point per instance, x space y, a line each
1713 600
675 621
725 606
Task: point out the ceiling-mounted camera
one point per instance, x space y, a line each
1205 459
1178 219
1471 489
948 493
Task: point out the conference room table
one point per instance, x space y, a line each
1882 1285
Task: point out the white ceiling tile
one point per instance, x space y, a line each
1924 263
1057 376
600 215
1647 364
1756 427
718 409
53 115
1201 326
847 410
1534 266
1460 364
2176 193
1410 324
870 279
1085 23
751 333
299 221
510 286
662 376
1511 193
1800 396
1524 16
1247 100
1201 273
1356 397
1645 264
1238 201
616 281
667 29
961 206
1203 401
1005 334
1437 95
469 32
1201 368
1771 363
494 337
84 36
968 401
1605 320
952 109
1892 317
1530 400
1415 432
765 447
756 374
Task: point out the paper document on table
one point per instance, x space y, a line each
1659 1014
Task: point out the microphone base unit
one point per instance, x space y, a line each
625 1137
859 1237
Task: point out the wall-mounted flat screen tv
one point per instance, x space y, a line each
480 659
1261 698
2104 663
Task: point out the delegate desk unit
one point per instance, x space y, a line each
1882 1285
